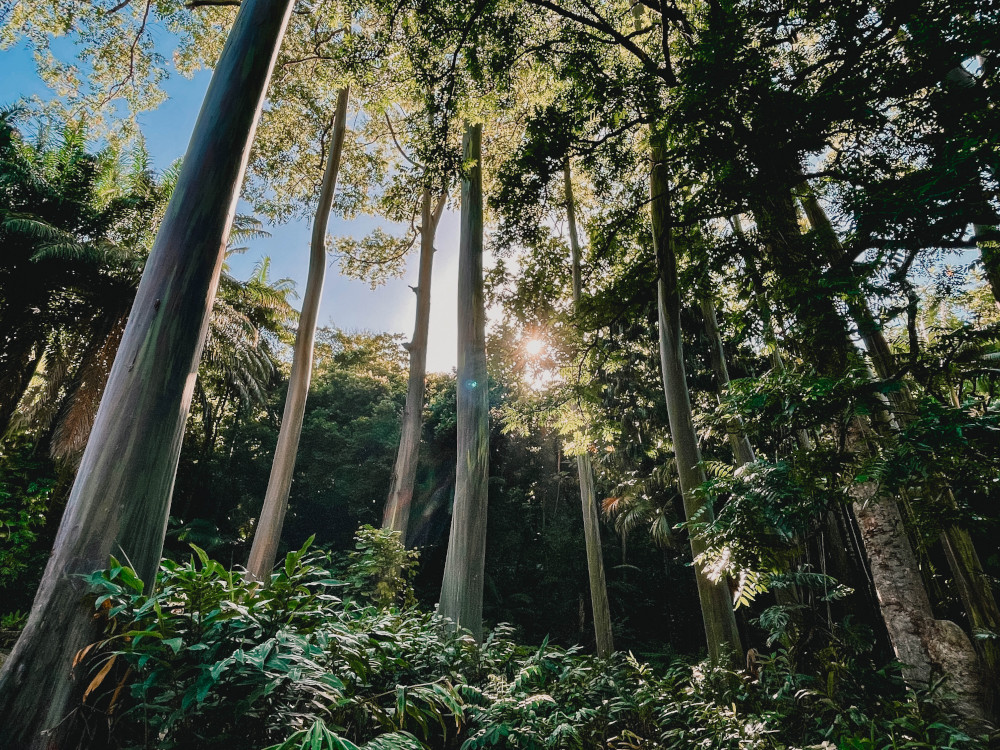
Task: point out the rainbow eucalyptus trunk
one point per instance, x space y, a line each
926 646
974 588
462 585
716 604
404 473
272 515
585 470
121 497
742 450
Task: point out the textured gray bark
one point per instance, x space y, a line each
272 516
925 646
716 604
973 586
120 499
585 470
462 585
404 472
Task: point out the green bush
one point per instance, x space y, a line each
380 569
26 489
212 660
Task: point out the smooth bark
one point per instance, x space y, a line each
585 471
462 585
120 499
404 472
742 450
716 604
272 516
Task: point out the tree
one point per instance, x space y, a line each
404 473
75 228
462 586
120 500
716 605
268 533
584 468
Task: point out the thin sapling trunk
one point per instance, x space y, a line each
272 516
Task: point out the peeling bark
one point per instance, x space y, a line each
966 568
927 648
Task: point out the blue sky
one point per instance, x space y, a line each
346 303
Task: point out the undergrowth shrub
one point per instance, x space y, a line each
307 661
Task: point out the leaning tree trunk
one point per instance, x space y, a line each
272 515
974 588
742 450
462 586
404 473
120 499
927 647
585 470
716 603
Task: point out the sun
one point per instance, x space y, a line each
534 347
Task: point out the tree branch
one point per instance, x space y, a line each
210 3
603 26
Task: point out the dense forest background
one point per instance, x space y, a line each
744 304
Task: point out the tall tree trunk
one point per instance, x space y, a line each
927 647
462 586
716 603
585 470
120 499
272 515
973 586
770 338
404 473
816 323
742 450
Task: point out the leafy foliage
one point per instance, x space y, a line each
210 660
